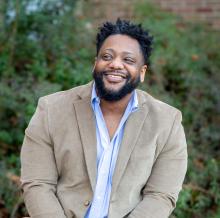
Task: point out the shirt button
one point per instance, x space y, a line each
86 203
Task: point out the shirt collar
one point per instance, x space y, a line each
94 96
133 101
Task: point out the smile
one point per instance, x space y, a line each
114 78
116 74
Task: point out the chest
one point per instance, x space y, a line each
112 122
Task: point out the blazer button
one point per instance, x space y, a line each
86 203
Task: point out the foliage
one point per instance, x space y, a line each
9 192
45 48
41 51
185 73
36 59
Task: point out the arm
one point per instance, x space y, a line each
38 168
165 182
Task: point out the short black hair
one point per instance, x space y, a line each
125 27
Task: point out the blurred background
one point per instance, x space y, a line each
48 46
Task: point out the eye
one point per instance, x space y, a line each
129 60
106 57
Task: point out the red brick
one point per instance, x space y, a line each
204 10
185 10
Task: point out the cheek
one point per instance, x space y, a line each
100 66
133 71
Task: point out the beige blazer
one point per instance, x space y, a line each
58 158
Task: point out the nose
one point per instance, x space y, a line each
116 64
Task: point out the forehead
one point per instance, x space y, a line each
121 44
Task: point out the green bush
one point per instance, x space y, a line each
185 73
42 51
37 58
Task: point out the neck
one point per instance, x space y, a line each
115 107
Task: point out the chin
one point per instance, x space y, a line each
113 87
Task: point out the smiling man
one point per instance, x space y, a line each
105 149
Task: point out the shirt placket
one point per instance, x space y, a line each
104 163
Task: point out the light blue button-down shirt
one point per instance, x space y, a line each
107 152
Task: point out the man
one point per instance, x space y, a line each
105 149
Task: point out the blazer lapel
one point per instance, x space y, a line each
87 128
131 133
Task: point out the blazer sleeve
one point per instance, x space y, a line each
38 168
165 182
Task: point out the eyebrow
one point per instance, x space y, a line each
125 52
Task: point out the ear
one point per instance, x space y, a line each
142 73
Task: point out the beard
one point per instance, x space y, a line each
114 95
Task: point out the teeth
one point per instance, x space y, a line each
114 76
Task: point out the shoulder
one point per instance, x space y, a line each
67 96
159 111
163 121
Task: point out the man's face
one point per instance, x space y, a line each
119 67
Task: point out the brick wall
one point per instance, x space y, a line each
205 11
102 10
